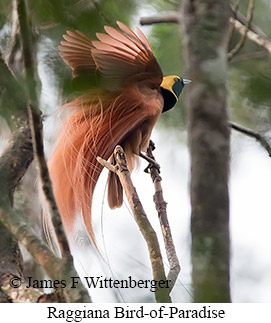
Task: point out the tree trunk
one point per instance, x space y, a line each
205 26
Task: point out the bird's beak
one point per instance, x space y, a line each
185 81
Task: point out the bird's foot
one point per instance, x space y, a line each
152 163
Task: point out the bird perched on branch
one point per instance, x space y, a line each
124 93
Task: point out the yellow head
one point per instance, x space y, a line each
171 88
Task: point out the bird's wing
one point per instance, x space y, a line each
120 57
76 52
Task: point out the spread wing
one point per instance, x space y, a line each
119 57
76 52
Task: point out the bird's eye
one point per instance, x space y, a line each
176 79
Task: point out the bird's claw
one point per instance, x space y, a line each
151 165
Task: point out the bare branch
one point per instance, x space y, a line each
106 164
175 17
161 207
161 294
237 21
167 17
243 39
261 139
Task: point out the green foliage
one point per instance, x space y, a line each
257 85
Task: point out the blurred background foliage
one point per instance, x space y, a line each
249 82
249 73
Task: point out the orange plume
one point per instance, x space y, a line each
122 109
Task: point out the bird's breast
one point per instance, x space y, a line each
152 100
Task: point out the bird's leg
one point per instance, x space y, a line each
152 163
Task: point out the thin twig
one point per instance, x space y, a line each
167 17
36 124
161 207
261 139
243 39
161 294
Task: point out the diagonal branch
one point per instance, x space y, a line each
252 36
161 294
261 139
236 14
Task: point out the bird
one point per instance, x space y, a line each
121 95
